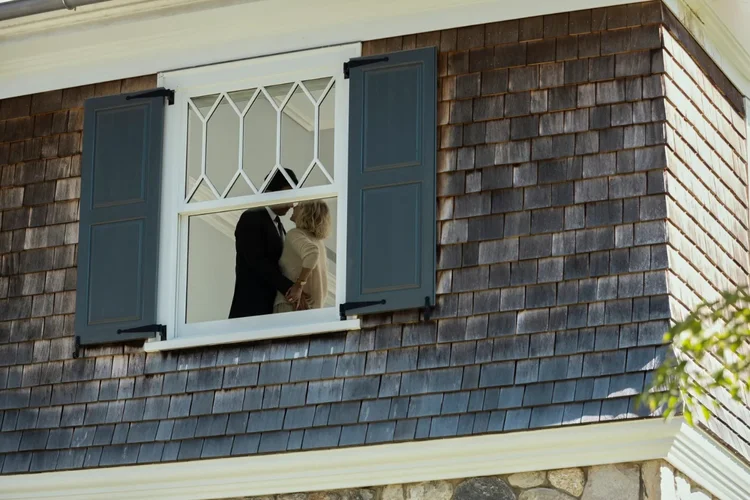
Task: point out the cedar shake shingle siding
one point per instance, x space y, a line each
576 217
707 204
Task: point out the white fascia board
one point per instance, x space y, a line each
692 451
492 454
141 38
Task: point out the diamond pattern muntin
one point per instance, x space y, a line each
237 140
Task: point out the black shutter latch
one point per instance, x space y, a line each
361 62
427 310
160 329
348 306
169 94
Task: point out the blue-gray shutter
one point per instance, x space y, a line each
391 231
119 231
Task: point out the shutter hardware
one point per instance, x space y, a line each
361 62
343 308
169 94
357 305
428 308
160 329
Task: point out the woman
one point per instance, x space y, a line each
304 258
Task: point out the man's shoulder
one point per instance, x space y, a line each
252 214
251 217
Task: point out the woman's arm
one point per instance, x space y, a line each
309 252
306 247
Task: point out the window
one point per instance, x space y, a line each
259 136
206 219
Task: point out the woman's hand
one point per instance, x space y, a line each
303 304
294 295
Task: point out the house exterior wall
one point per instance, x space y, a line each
707 207
650 480
553 272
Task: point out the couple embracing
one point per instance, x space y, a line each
277 271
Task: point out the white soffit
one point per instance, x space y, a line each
128 38
720 27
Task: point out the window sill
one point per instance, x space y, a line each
233 338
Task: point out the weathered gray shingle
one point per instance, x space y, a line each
353 435
372 411
291 395
326 437
210 425
266 420
240 376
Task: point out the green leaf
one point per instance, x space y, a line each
688 416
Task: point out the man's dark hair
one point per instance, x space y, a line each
279 182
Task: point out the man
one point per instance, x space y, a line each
259 241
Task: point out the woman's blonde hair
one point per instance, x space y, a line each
315 218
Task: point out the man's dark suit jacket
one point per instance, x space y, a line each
257 273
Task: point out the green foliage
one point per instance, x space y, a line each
711 352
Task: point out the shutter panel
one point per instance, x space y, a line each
119 229
391 197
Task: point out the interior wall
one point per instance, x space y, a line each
210 271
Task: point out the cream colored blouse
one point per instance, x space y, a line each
302 250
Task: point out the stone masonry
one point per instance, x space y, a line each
556 254
654 480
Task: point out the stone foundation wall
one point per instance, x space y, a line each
654 480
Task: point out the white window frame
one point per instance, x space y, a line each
175 212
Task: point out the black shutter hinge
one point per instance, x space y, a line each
160 329
169 94
427 310
354 63
348 306
77 347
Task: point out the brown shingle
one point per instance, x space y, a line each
15 107
46 102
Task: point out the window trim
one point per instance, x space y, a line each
173 238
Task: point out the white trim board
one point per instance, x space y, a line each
129 38
716 38
138 41
690 450
288 331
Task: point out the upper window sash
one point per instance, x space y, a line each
249 136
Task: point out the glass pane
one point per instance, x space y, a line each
205 103
327 120
259 153
194 151
316 87
279 92
222 145
241 98
220 281
203 193
316 177
240 188
298 133
211 258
